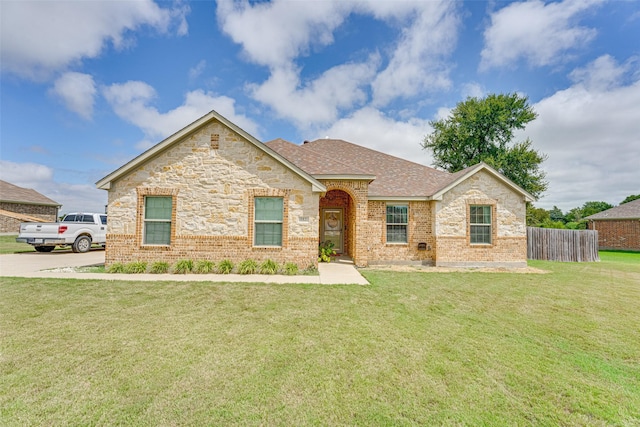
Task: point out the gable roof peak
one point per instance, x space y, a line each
180 135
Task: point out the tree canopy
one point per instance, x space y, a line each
630 198
481 130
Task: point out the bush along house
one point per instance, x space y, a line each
211 191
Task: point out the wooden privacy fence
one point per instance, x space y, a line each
562 245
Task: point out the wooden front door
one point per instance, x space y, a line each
332 228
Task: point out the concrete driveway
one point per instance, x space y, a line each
31 264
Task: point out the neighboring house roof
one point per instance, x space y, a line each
392 177
10 193
105 183
629 210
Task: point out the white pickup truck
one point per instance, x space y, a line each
80 230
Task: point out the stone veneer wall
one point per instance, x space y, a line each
419 230
509 240
213 175
617 234
12 225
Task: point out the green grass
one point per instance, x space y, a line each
8 245
493 349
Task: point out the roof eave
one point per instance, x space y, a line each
352 177
19 202
614 219
400 198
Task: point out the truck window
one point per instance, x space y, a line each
88 219
69 218
103 219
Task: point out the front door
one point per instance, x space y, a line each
332 228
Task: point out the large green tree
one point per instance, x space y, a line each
481 130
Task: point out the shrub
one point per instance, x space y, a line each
159 267
269 267
116 267
183 266
225 267
326 251
291 268
248 266
204 267
136 267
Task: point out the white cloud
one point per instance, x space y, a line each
537 32
602 74
131 101
73 197
418 62
196 71
371 128
275 33
39 37
474 90
590 133
283 31
319 101
77 91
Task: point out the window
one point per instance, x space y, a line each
480 224
157 220
397 219
268 221
88 219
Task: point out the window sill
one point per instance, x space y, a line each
151 247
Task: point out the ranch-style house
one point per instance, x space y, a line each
211 191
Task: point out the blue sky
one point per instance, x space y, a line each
87 86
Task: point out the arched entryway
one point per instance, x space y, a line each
337 222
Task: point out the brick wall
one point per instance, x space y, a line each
503 252
12 225
419 230
617 234
124 248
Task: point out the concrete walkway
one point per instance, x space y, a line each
62 264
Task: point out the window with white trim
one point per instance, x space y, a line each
157 220
268 217
397 220
480 224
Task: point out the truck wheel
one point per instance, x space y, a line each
44 248
82 244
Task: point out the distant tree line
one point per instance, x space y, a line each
573 219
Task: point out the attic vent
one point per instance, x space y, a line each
215 141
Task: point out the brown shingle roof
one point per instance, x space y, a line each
13 194
629 210
313 162
394 177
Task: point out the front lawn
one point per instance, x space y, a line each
8 245
411 349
